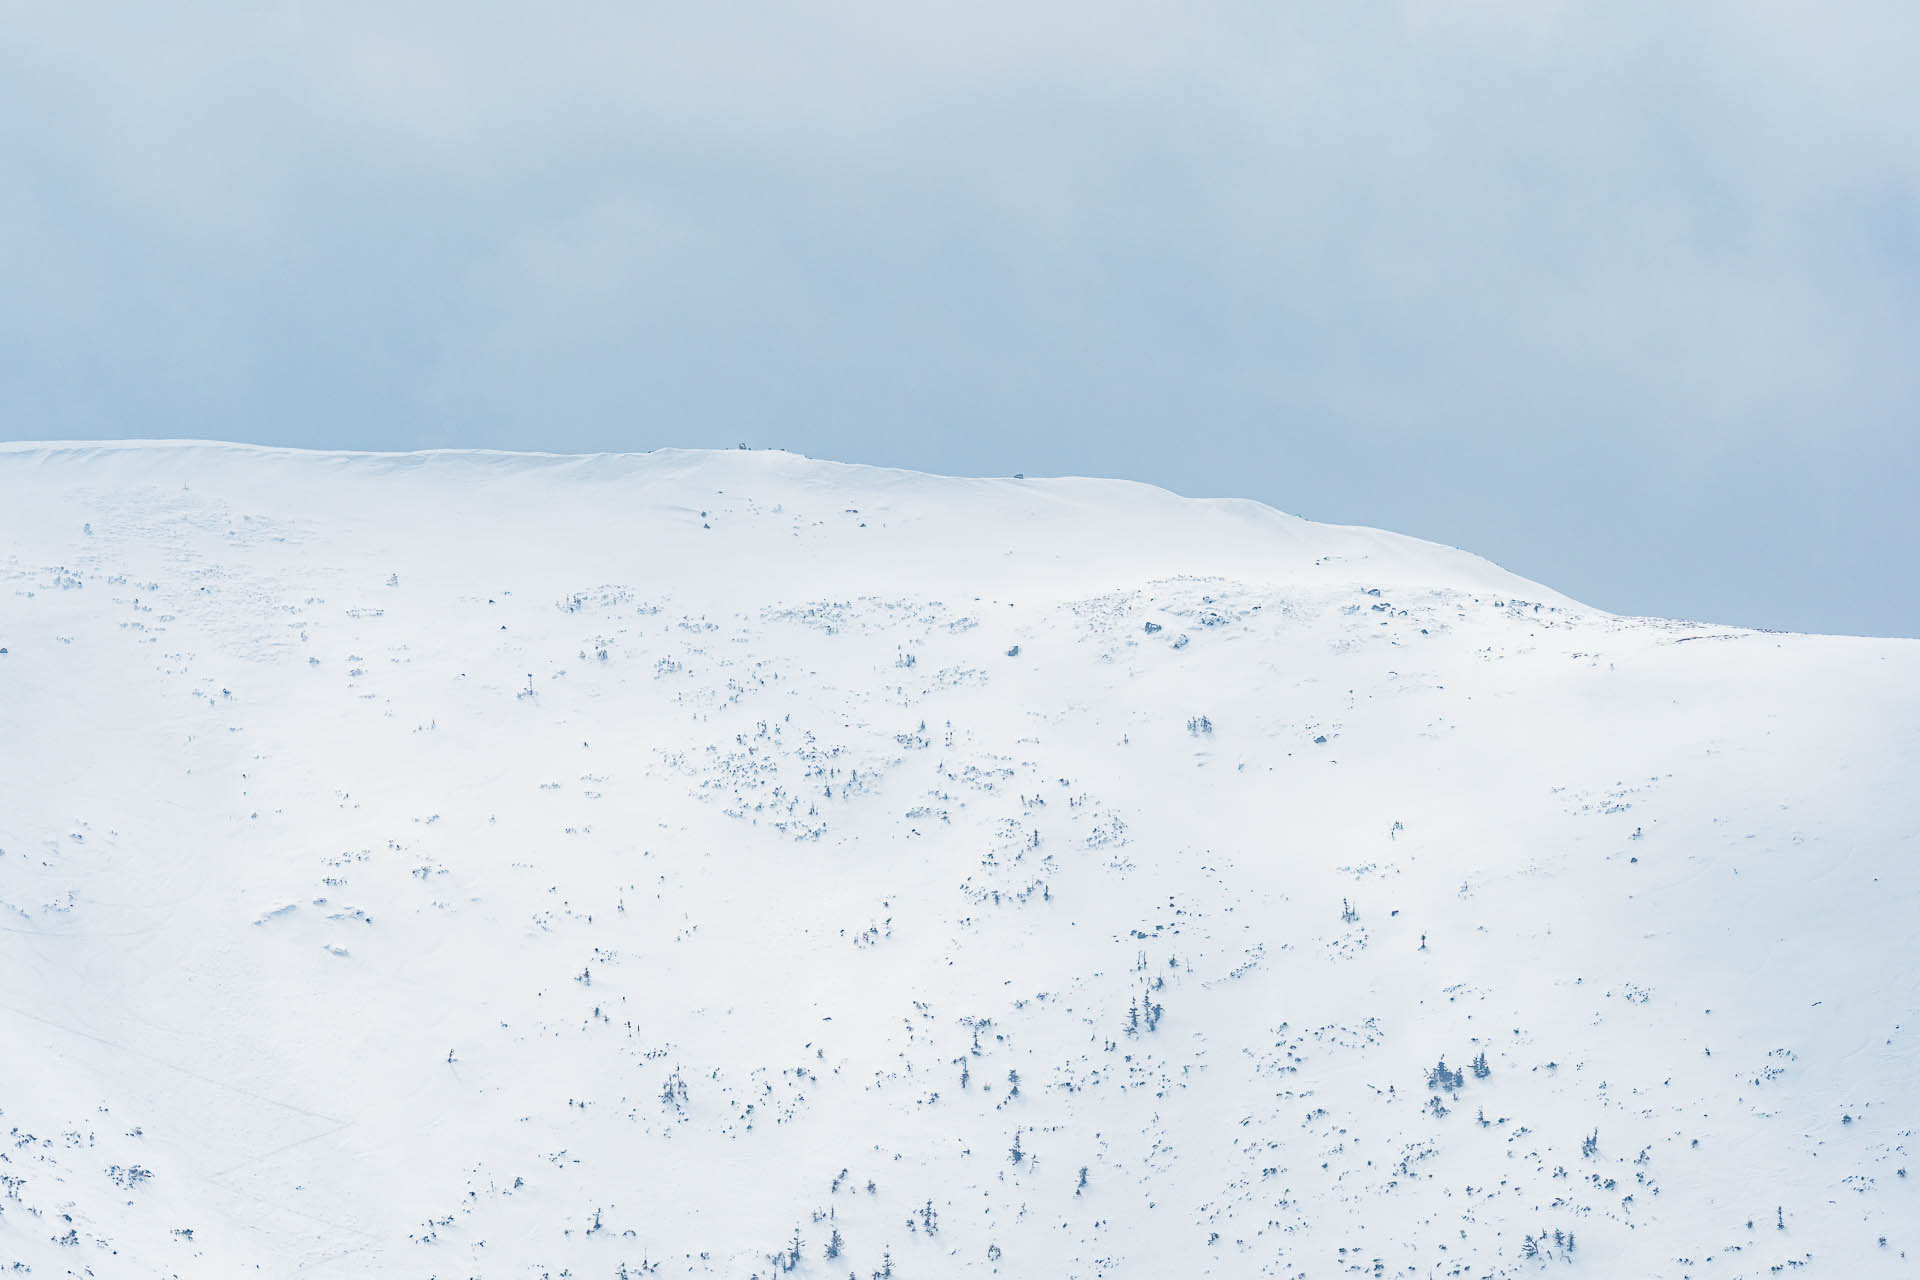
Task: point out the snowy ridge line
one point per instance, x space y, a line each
1243 528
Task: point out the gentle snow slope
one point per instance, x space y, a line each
492 865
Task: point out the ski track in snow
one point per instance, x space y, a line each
467 864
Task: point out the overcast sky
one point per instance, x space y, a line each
1625 296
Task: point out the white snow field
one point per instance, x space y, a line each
694 863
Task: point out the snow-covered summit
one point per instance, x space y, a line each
765 511
732 864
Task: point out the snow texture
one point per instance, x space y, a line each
732 864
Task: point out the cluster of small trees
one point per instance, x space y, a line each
1560 1242
1445 1078
788 1259
1145 1010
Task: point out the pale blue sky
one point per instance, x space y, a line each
1625 296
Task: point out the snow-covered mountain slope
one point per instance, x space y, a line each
706 863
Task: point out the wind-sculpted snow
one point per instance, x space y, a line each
734 865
